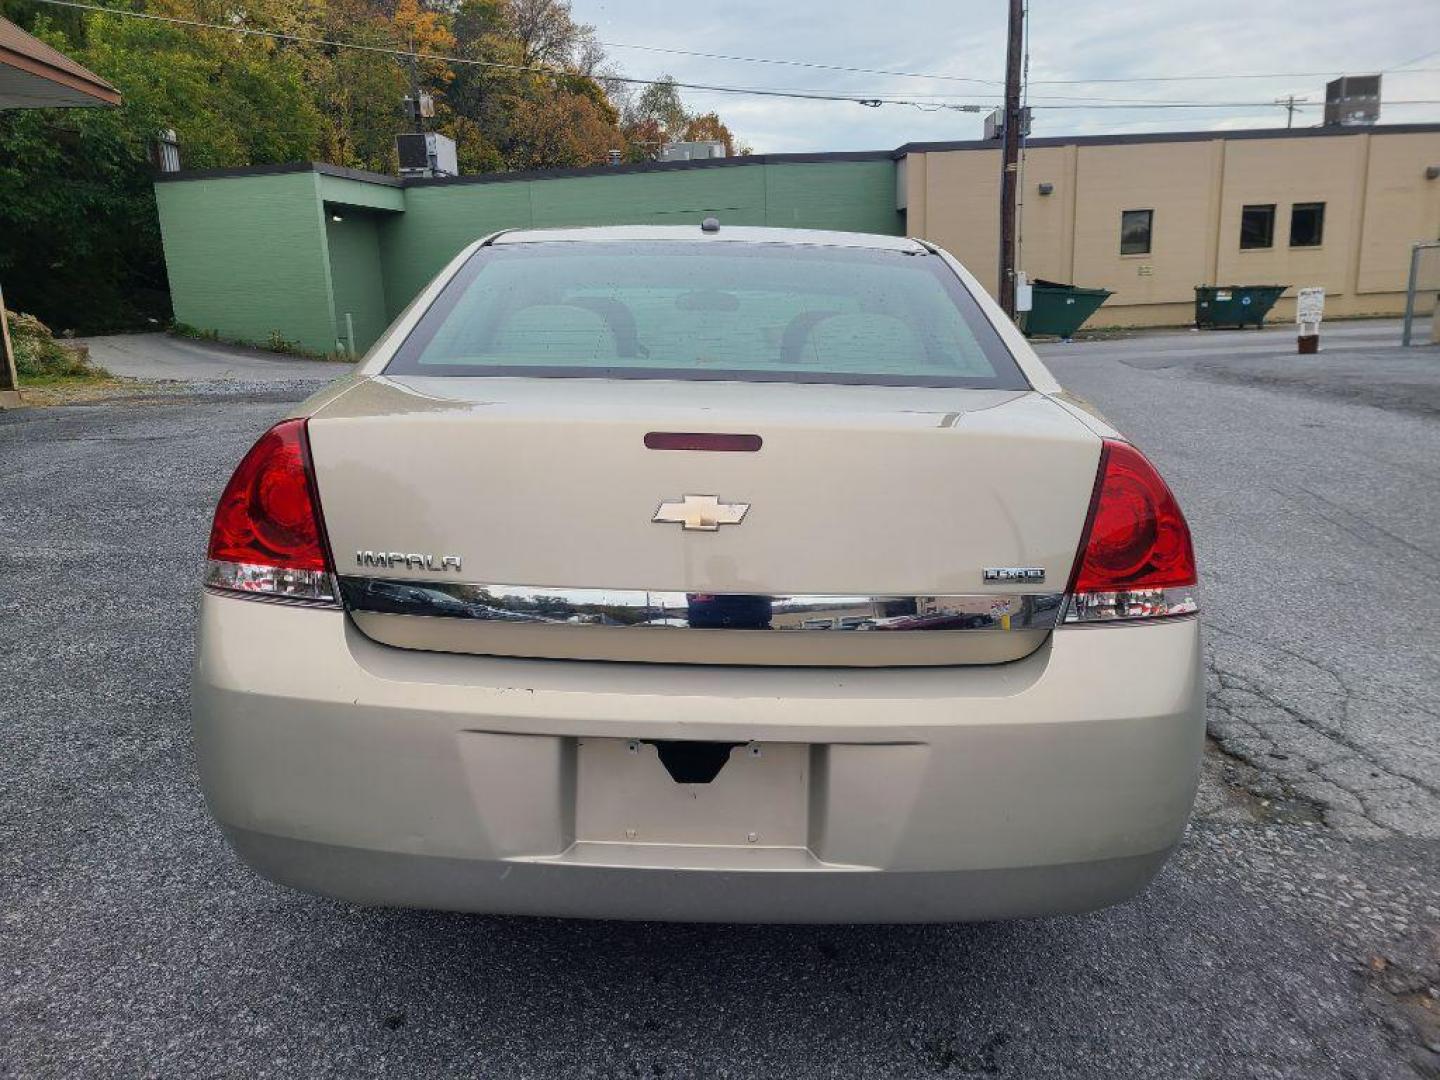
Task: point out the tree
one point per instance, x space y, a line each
660 102
479 101
643 140
561 130
708 127
79 238
657 115
77 210
548 35
425 31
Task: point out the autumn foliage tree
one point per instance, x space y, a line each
79 239
657 115
561 130
518 84
708 127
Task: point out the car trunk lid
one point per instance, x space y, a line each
518 516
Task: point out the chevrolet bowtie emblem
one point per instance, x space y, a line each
705 513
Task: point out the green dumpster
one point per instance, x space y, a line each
1061 309
1234 305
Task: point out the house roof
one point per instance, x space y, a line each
35 76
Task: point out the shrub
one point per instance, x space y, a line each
278 342
181 329
39 355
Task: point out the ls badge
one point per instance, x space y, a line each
1024 575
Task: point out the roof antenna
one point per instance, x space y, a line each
710 224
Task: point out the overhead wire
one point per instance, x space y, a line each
1227 78
306 39
936 77
922 102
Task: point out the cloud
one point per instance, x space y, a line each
1069 39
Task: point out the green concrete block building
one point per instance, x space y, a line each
319 256
307 252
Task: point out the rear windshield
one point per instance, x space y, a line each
708 311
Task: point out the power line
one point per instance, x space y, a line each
1079 98
1414 60
997 82
1227 105
869 100
799 63
1112 104
1226 78
303 39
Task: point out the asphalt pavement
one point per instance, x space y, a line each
1313 487
1295 934
160 357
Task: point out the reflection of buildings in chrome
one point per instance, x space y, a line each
864 615
881 612
837 617
954 605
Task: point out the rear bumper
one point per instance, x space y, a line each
603 892
1056 783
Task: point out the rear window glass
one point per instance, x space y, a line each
708 311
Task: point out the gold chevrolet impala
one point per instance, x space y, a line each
701 573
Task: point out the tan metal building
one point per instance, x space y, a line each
1152 216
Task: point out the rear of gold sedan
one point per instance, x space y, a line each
562 608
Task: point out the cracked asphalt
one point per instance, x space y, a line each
1295 934
1315 501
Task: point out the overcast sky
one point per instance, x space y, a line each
1070 39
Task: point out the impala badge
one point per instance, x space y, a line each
407 560
702 513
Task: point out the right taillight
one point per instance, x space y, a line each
1135 559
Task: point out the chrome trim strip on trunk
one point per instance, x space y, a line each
641 609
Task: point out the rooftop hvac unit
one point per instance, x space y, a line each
692 151
426 154
995 124
1352 100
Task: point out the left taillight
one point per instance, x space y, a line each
268 538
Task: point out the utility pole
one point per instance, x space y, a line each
10 379
415 89
1290 105
1010 157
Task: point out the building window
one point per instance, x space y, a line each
1135 231
1307 224
1257 226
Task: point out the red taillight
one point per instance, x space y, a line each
267 537
1135 558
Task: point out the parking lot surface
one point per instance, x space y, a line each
1295 934
167 357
